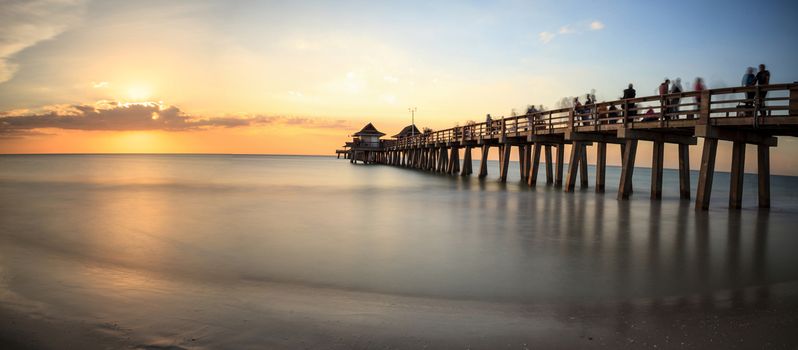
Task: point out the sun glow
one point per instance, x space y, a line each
139 92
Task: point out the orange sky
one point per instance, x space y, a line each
296 78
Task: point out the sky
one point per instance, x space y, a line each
298 77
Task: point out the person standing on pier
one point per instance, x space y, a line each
676 88
762 78
663 90
590 101
699 87
531 118
749 80
627 94
489 124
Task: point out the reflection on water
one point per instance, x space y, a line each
82 227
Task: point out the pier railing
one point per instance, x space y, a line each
737 105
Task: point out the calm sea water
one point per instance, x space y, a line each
91 235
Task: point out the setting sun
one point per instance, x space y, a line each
139 93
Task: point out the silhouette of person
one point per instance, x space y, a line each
663 90
627 94
698 86
676 88
762 78
489 124
749 79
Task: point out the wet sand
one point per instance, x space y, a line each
276 316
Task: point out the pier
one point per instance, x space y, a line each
724 114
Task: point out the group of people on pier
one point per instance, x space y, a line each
669 102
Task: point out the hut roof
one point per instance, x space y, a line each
407 131
369 130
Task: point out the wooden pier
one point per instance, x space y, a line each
713 115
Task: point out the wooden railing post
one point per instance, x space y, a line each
625 112
704 108
571 120
794 100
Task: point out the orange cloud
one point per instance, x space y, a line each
145 116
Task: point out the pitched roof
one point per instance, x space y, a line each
407 131
369 130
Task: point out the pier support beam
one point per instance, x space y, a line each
455 160
560 160
628 168
466 162
444 160
763 172
684 171
523 166
706 173
533 171
737 175
505 163
573 166
583 167
549 167
601 166
483 163
657 163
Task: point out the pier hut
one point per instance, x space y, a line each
366 145
408 131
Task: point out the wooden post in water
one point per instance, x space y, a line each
684 171
737 175
444 160
533 171
573 166
601 166
583 167
450 164
763 172
657 164
549 172
466 162
706 173
527 161
505 162
627 169
522 167
560 160
483 163
455 160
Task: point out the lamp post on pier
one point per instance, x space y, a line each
412 111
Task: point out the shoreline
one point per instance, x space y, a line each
285 317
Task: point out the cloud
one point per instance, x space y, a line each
596 25
567 29
546 37
100 85
24 23
118 116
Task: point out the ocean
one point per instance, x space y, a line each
251 251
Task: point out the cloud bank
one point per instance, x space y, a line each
117 116
24 23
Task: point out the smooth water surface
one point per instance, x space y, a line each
100 236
